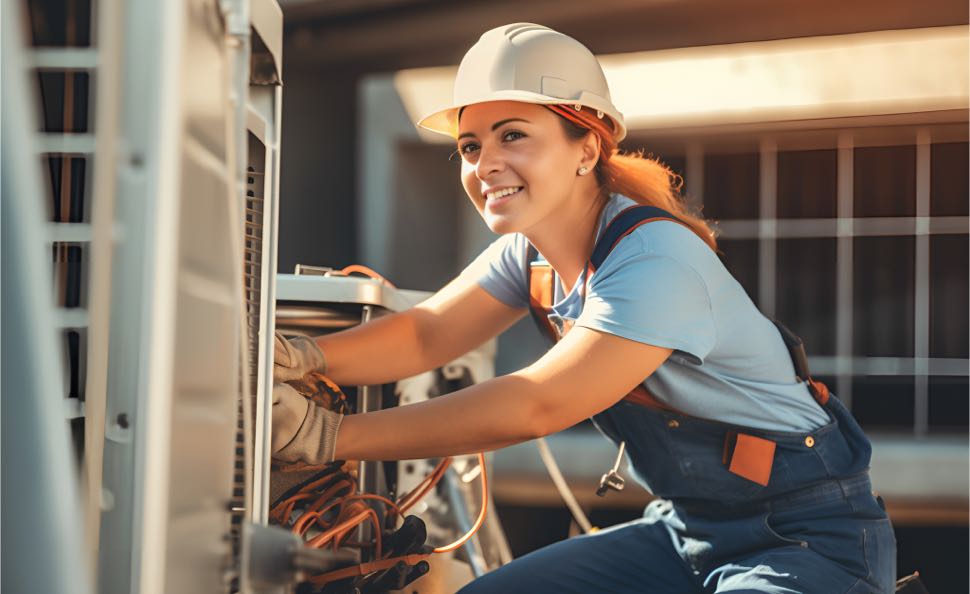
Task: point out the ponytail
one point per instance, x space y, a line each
644 179
648 181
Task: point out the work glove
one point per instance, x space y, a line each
295 357
302 431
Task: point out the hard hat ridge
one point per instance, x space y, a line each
529 63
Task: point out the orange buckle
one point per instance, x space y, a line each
820 392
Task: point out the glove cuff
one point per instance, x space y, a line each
316 441
295 357
311 354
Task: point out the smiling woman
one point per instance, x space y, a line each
760 474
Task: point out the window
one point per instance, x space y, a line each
861 247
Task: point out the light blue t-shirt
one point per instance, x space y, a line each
662 285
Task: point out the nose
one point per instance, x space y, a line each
490 162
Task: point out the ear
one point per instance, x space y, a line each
590 150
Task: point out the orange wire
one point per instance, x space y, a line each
306 520
412 498
331 492
342 529
312 512
305 492
366 271
323 538
390 504
302 523
365 568
340 516
287 507
481 515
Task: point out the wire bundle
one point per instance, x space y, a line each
326 509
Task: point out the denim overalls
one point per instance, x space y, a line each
738 509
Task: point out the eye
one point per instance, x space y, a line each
467 148
511 135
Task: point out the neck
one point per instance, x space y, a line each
566 238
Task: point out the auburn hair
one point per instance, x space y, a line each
645 179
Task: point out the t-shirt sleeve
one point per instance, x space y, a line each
650 298
500 270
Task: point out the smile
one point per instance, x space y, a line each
502 193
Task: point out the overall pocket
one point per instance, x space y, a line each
778 537
702 459
879 550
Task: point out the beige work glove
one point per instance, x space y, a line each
302 431
295 357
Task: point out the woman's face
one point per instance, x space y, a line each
518 165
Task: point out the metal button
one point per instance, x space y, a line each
803 544
809 441
673 423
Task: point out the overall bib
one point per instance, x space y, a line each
738 509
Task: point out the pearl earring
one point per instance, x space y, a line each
583 170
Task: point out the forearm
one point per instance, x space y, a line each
483 417
584 374
398 346
380 351
453 321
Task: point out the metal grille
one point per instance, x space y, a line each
252 277
60 55
856 220
253 263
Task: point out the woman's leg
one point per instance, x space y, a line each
635 557
851 557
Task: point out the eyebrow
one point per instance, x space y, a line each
497 125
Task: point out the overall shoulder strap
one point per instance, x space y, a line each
540 276
540 281
622 225
799 359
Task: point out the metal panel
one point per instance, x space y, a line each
177 315
266 101
345 289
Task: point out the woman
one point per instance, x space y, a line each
761 478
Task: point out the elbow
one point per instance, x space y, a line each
544 416
538 421
527 411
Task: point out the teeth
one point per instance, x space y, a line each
501 193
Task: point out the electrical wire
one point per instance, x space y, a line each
331 490
366 568
387 502
348 525
424 487
564 491
481 515
342 528
361 269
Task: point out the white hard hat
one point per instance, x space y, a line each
528 63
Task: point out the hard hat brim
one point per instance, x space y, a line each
445 121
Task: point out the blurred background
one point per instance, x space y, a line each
827 140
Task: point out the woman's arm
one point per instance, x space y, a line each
585 373
448 324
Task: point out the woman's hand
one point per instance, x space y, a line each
302 431
295 357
